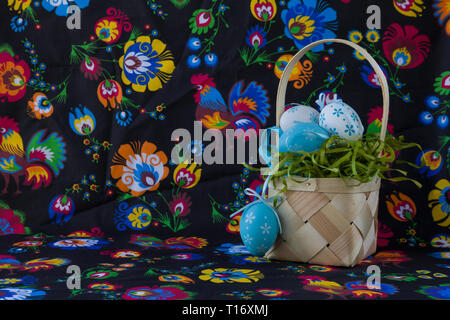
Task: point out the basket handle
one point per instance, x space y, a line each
281 94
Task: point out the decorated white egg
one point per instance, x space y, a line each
295 113
258 228
338 118
303 136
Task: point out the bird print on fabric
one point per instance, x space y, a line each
39 163
247 106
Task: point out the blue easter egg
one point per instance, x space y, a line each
303 136
259 228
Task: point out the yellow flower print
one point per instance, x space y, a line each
372 36
358 55
186 177
107 30
9 281
221 275
301 27
140 217
409 8
263 10
440 241
18 5
146 64
439 201
355 36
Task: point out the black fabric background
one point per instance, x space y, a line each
53 44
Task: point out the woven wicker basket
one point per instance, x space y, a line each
324 221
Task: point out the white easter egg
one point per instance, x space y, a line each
258 228
338 118
298 113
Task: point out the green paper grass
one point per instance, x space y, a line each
361 160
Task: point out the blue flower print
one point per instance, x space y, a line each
124 118
18 24
322 118
256 37
333 132
349 129
354 117
61 6
307 21
193 61
337 112
211 59
432 102
145 175
194 44
12 293
79 243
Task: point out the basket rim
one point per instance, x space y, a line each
327 185
284 79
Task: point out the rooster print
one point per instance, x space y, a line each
39 163
247 107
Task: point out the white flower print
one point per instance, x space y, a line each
247 238
249 218
265 228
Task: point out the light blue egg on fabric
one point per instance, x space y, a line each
303 136
259 228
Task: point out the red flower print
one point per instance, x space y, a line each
186 177
374 117
384 235
109 93
405 47
180 206
91 68
193 242
401 207
10 223
13 77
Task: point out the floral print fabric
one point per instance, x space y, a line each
144 267
87 154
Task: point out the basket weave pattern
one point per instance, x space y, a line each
323 220
324 228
